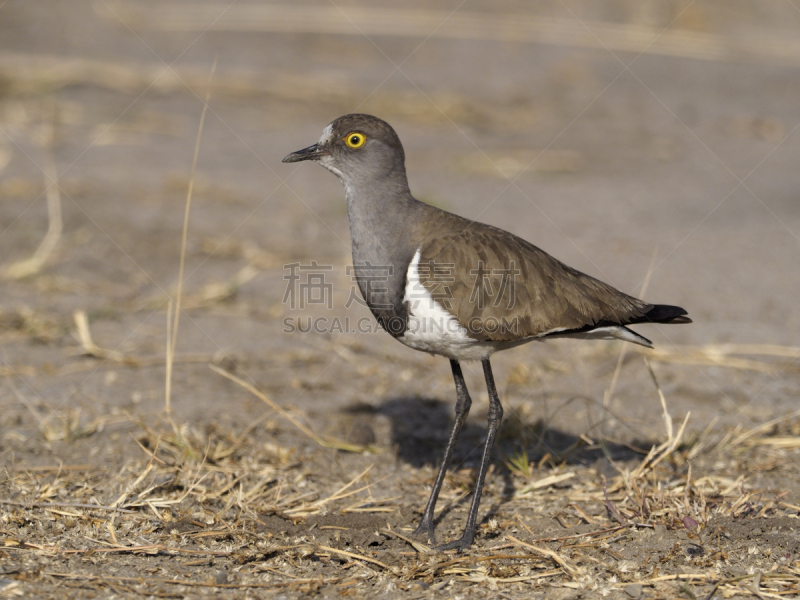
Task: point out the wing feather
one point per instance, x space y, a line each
502 288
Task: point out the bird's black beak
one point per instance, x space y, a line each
311 153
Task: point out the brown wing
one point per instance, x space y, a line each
502 288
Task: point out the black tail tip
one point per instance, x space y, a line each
679 320
664 313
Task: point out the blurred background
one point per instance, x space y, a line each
652 144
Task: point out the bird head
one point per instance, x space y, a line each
356 148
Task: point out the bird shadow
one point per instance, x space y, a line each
420 428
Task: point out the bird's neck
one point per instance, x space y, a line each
383 220
381 214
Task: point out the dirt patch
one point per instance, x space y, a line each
252 514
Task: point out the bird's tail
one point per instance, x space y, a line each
664 313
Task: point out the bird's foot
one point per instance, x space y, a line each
426 529
460 545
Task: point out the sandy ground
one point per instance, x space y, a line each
655 148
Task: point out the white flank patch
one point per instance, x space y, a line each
431 328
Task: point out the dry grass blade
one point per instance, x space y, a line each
591 534
747 435
780 442
31 266
665 413
657 454
190 583
546 482
702 443
338 495
325 442
418 546
88 347
727 355
129 490
68 505
84 336
481 575
58 468
624 347
354 556
172 336
754 350
573 570
43 423
372 506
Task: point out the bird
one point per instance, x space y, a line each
449 286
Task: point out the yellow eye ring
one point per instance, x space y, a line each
355 140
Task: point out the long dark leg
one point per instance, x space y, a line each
494 418
462 410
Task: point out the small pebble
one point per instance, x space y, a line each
694 550
222 577
634 590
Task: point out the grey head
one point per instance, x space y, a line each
358 149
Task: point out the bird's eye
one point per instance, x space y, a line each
355 140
